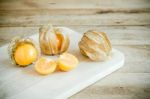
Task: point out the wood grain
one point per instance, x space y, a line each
126 35
129 63
101 20
75 6
126 22
119 86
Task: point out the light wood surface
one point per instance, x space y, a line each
126 22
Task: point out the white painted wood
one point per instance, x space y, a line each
25 83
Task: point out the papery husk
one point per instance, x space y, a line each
16 42
95 45
65 39
49 41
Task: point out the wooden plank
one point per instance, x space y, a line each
125 79
136 58
135 67
126 35
141 52
140 65
87 11
131 82
98 96
114 84
102 5
119 85
101 20
119 35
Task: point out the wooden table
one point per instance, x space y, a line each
126 22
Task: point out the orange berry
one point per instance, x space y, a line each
25 54
59 39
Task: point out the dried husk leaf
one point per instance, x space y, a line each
49 41
65 39
95 45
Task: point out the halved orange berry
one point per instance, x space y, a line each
44 66
67 62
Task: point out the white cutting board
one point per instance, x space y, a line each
25 83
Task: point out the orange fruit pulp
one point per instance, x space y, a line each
44 66
59 39
25 54
67 62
